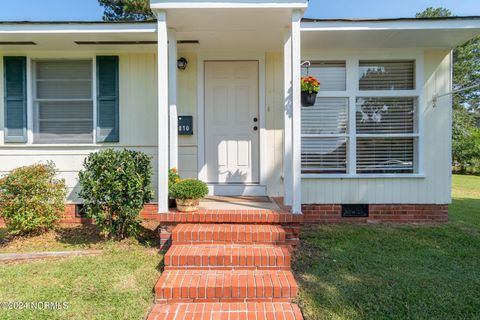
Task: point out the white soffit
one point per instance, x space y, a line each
404 33
58 35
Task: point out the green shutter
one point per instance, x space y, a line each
15 93
107 99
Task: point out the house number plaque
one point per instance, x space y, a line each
185 125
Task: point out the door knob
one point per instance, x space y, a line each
255 128
255 119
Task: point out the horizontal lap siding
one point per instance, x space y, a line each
274 123
435 188
138 130
187 106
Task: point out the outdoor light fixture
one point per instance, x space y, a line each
182 63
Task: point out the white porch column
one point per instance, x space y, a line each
162 65
172 97
296 114
287 127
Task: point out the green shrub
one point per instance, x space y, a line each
188 189
173 177
116 184
32 200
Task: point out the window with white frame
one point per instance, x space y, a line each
384 119
325 125
63 101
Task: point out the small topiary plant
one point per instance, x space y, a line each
189 189
116 184
32 200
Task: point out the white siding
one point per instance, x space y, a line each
187 106
138 130
138 114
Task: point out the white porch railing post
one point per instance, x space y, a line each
172 97
287 129
296 114
162 82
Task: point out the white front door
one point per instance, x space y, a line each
231 122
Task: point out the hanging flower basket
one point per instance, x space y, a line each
308 98
310 87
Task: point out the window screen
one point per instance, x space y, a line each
63 101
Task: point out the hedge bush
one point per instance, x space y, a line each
115 185
188 189
32 200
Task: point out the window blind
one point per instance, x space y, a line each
387 75
385 155
331 74
385 115
386 134
63 101
324 155
324 130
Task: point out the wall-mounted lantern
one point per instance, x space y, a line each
182 63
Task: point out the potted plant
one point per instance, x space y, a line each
310 87
173 178
187 194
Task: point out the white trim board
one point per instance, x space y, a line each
231 56
237 190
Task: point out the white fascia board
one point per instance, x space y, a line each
56 28
391 25
238 4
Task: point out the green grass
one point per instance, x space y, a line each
395 272
117 284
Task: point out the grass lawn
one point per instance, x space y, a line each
115 285
395 272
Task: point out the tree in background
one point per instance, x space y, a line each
135 10
466 104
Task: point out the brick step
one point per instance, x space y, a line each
232 216
231 256
227 233
221 311
225 286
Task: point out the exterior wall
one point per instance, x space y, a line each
187 106
138 119
435 186
138 114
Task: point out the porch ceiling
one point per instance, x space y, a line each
231 29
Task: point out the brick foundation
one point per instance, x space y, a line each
312 213
378 213
149 212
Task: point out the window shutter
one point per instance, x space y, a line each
15 91
107 99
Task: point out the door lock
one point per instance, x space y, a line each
255 128
255 119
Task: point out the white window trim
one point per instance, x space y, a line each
31 101
353 92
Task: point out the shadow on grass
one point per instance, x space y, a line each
395 272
